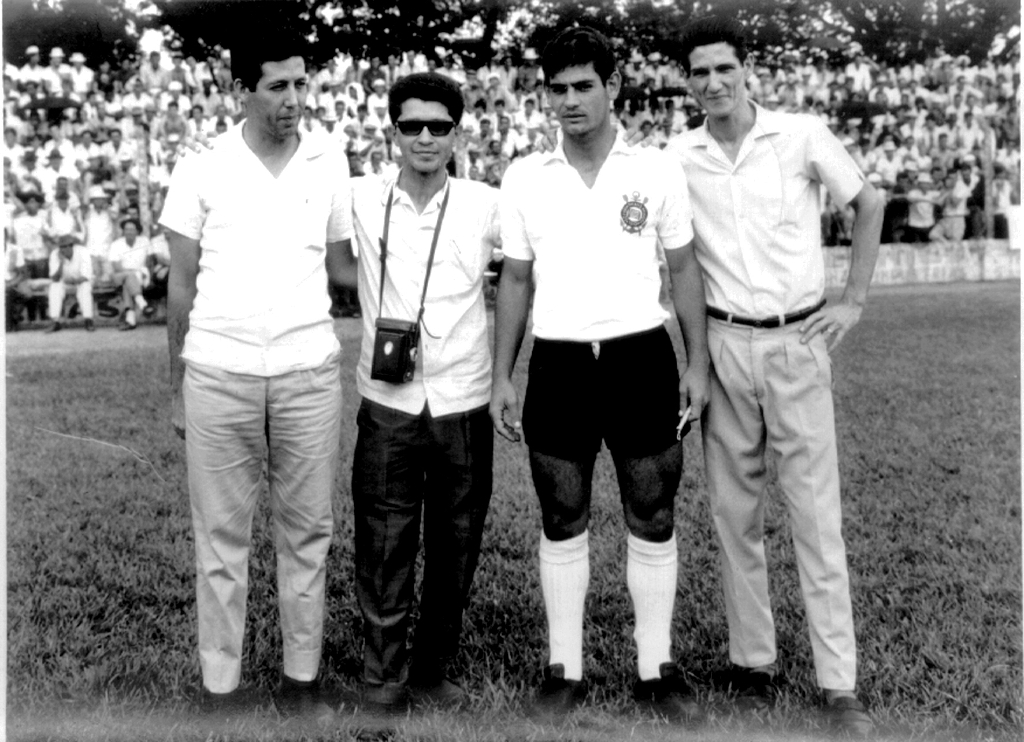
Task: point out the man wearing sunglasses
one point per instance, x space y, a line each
425 444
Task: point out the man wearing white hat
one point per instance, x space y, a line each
378 99
100 229
81 76
50 78
32 71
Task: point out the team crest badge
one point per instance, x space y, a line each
633 214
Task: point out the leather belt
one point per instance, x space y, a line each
767 322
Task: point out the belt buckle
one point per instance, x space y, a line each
758 323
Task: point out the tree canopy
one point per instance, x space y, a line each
890 31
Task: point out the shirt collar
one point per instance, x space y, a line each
402 197
310 147
619 146
765 123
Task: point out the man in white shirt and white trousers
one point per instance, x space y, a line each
754 178
255 226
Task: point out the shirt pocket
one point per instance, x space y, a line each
457 262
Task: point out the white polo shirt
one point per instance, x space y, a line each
453 371
595 250
131 257
261 306
758 220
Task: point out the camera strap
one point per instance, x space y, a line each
430 259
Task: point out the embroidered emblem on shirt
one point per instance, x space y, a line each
633 214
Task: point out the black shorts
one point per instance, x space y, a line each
627 396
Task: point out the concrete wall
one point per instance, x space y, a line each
971 260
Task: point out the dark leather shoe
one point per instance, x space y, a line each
442 694
387 699
557 696
669 696
125 326
224 707
849 716
90 326
55 327
302 699
751 690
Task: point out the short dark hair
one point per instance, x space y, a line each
426 86
579 46
251 52
712 30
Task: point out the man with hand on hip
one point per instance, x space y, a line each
425 442
255 227
582 224
754 177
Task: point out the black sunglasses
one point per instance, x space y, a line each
413 127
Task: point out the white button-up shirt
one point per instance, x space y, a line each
758 220
453 371
261 306
79 265
595 250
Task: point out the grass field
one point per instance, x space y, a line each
100 565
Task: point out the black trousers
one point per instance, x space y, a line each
405 465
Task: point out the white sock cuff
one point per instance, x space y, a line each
655 554
564 552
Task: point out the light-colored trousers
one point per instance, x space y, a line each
59 290
231 422
769 391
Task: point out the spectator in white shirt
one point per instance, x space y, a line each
128 255
81 76
70 270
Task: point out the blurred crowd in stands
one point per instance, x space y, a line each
89 151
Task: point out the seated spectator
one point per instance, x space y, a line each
62 218
1002 198
100 230
128 257
70 270
28 231
953 201
158 263
923 199
378 166
16 286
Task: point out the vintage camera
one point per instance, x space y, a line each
395 347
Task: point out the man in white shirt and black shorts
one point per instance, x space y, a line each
583 224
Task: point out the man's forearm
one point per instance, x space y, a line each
867 230
179 304
510 315
691 310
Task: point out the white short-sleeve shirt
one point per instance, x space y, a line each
453 371
261 306
595 250
758 220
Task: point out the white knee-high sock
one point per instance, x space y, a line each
564 578
651 571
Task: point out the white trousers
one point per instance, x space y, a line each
59 290
770 391
232 423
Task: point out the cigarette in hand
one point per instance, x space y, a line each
682 422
